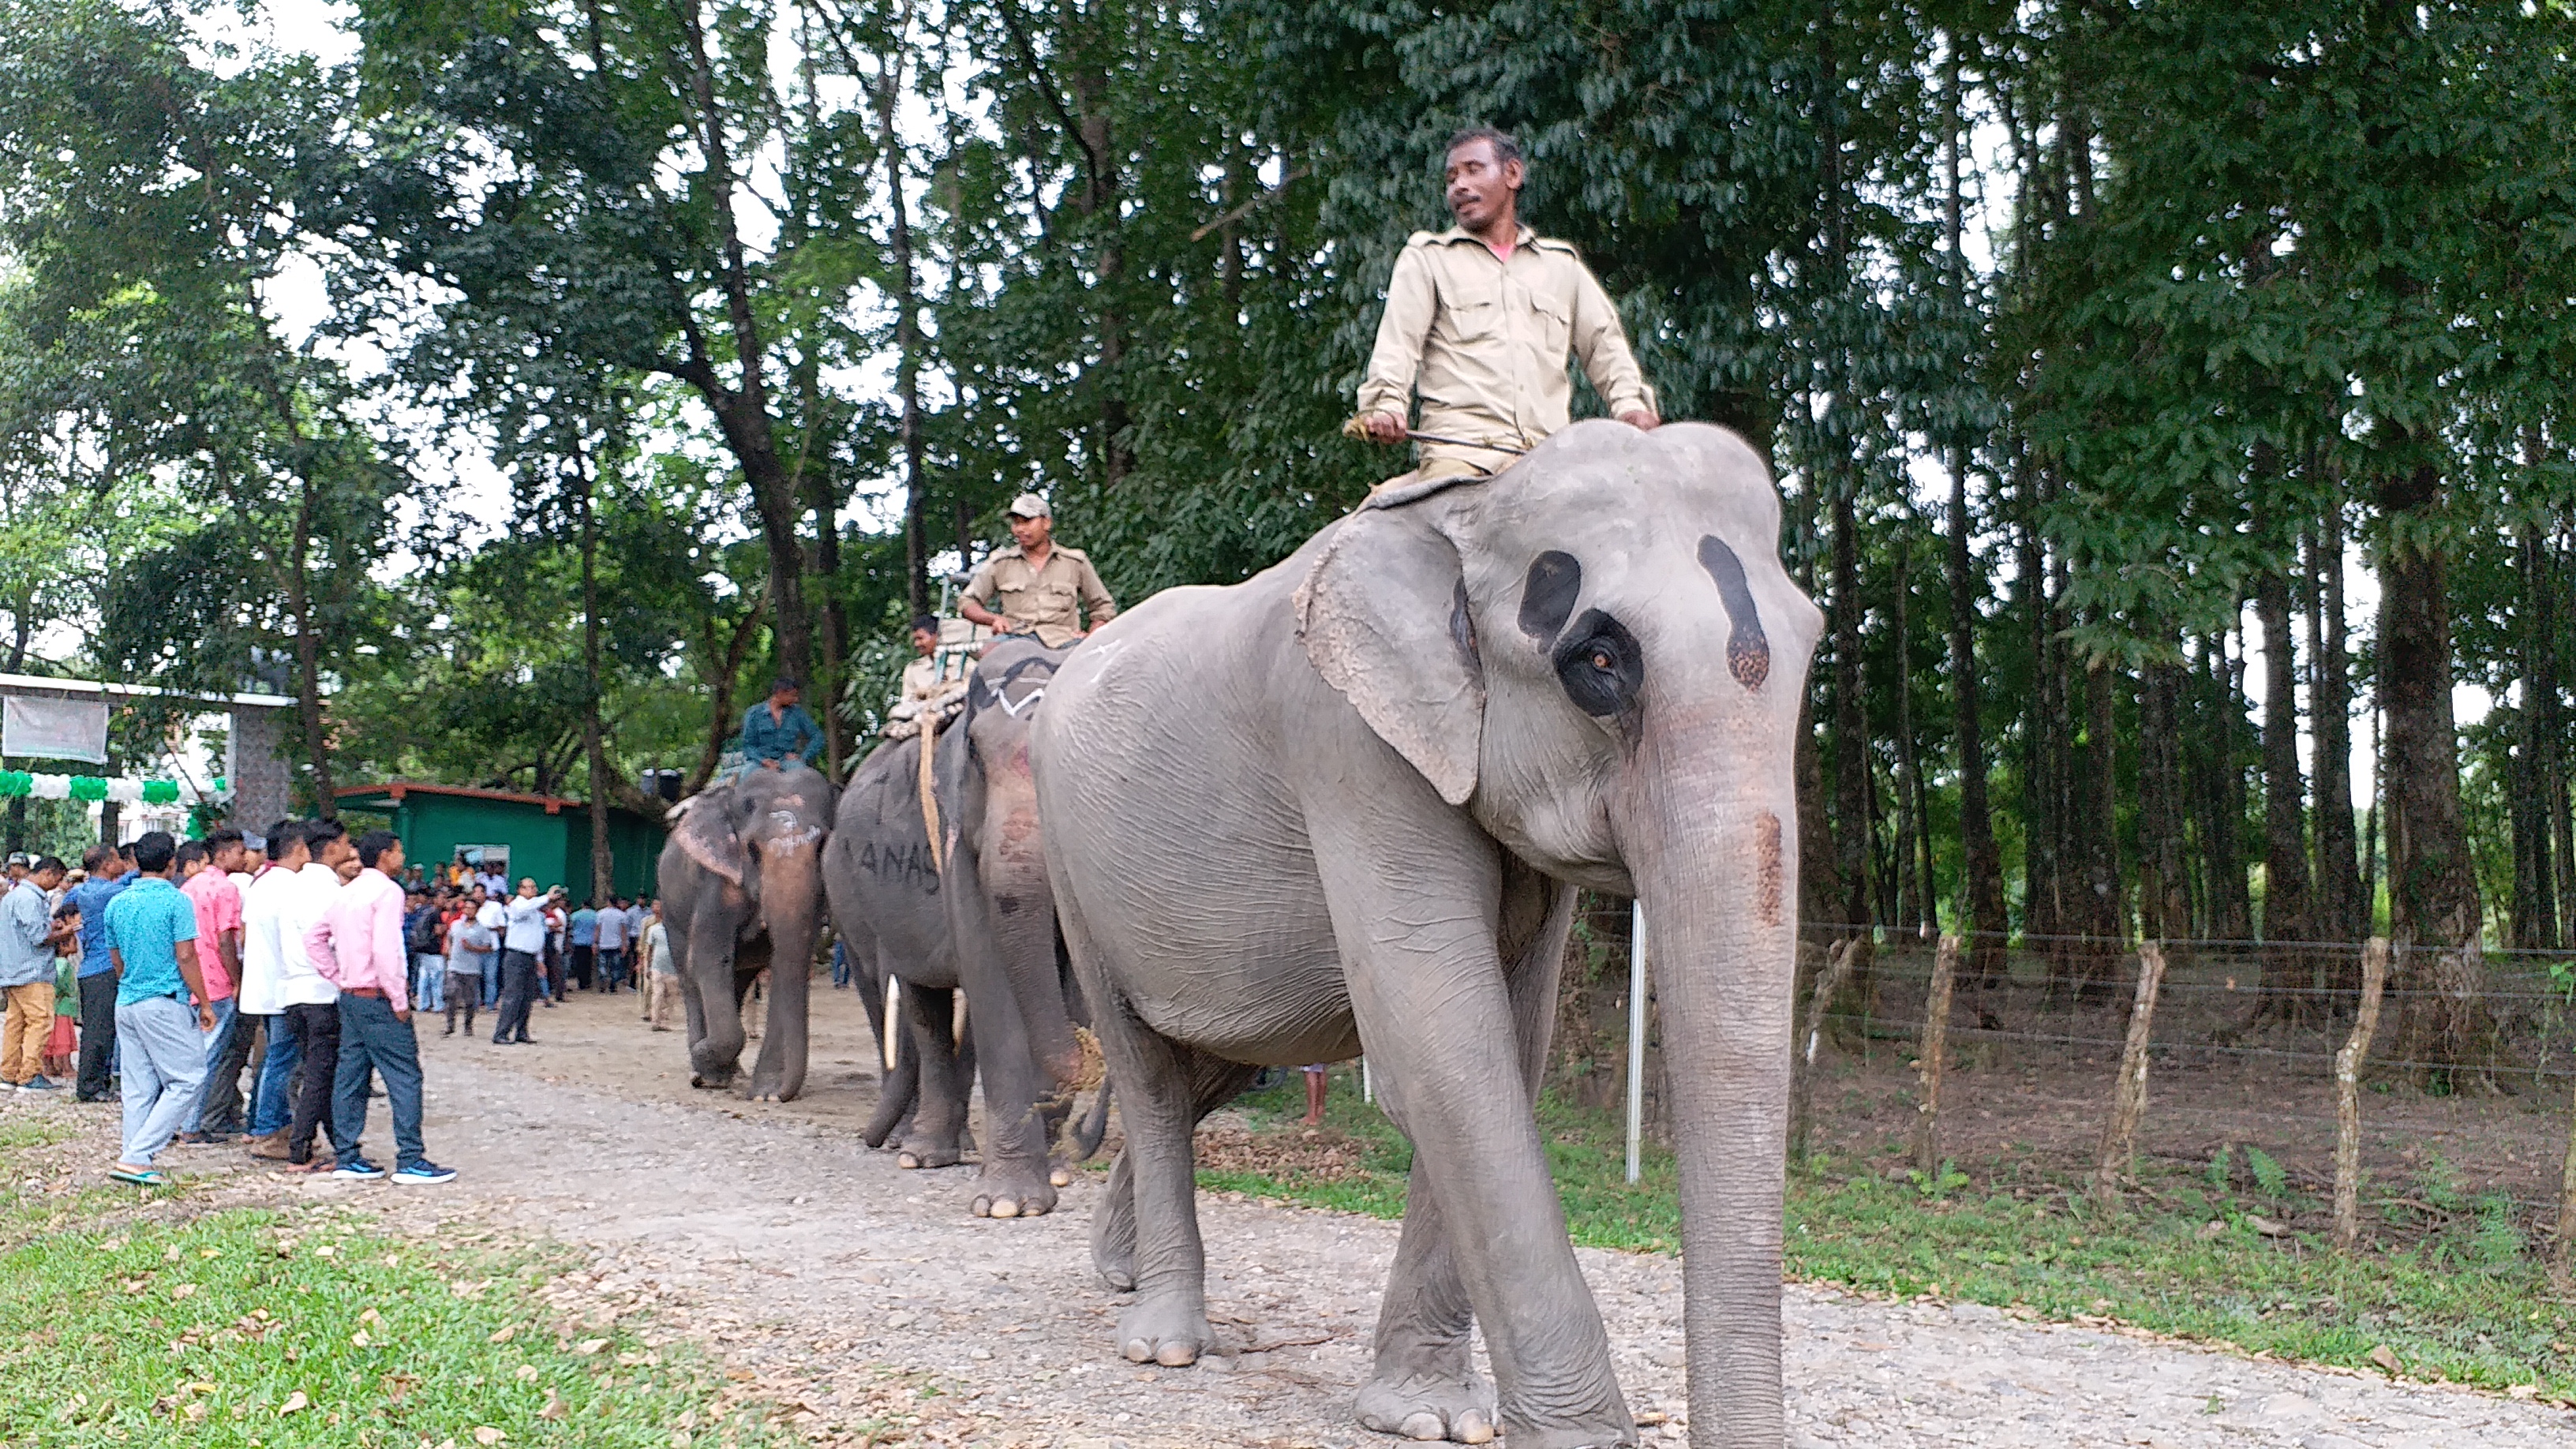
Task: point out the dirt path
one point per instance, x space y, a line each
844 1285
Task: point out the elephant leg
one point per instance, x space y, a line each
1419 910
778 1075
1424 1385
713 991
1113 1228
940 1115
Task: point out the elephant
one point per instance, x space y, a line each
974 914
1344 805
742 890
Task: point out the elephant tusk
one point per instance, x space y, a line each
893 1017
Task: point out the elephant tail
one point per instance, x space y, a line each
1093 1126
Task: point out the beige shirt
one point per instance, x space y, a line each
921 680
1044 599
1485 341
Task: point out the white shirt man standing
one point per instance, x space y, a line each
523 940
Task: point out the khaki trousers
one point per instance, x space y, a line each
663 994
22 1038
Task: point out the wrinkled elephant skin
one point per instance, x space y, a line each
1343 805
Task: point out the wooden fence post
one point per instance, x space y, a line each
2129 1089
1811 1030
2356 1050
1931 1059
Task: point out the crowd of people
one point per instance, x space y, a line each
160 972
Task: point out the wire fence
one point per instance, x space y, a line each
2455 1108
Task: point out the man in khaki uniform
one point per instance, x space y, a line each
1480 320
1038 582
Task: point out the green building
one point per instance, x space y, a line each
518 835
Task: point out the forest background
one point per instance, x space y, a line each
2101 348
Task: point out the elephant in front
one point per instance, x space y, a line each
1344 805
968 911
742 891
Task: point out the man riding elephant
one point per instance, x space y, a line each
1038 582
1480 320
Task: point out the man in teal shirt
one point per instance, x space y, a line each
163 1014
778 729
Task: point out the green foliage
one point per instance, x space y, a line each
2462 1300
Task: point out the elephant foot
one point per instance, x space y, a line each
1171 1331
1011 1193
705 1083
1429 1407
917 1155
772 1092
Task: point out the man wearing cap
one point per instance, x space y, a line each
1038 583
1480 320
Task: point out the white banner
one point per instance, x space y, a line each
54 729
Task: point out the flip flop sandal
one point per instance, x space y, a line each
148 1177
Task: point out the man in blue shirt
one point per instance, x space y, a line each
778 730
163 1014
585 935
109 875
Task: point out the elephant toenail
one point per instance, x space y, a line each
1061 1177
1005 1208
906 1160
1423 1424
1473 1428
1176 1355
983 1207
1139 1351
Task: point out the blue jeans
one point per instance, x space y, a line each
491 978
164 1057
372 1039
429 993
269 1108
226 1014
612 967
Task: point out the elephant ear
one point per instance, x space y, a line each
1383 615
707 836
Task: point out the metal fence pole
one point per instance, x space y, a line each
1636 1036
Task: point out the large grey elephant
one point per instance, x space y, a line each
1341 806
973 914
742 890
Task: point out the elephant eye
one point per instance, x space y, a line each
1600 665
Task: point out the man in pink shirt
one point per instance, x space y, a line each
358 946
205 879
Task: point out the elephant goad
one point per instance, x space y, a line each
1342 806
742 891
969 912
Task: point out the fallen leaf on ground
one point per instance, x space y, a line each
295 1403
2385 1357
503 1334
488 1435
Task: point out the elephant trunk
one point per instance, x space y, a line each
1710 837
792 913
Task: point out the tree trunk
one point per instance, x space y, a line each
1854 807
1914 827
1981 897
2535 907
2041 725
2288 971
742 411
2096 830
308 655
593 748
2164 895
2435 915
907 342
720 667
2339 910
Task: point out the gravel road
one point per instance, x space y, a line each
841 1286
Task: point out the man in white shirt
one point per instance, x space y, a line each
523 940
494 917
311 1000
266 903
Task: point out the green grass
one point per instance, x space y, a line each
2467 1300
134 1319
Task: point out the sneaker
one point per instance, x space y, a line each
39 1083
358 1169
423 1174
